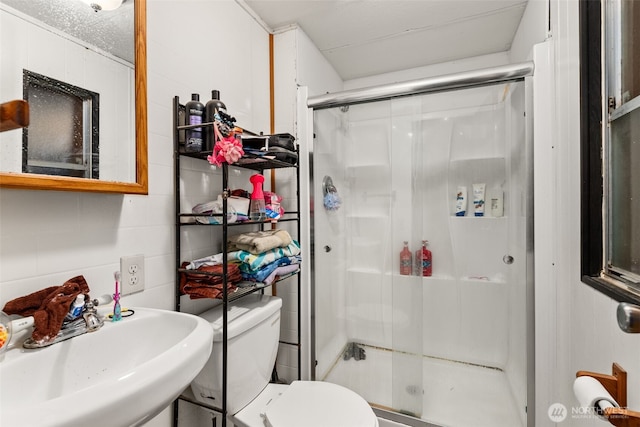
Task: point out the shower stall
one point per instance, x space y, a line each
386 166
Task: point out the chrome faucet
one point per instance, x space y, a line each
90 321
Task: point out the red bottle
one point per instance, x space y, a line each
423 260
405 260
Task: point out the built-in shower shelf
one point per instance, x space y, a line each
481 279
368 165
368 216
436 277
361 270
478 159
388 274
472 217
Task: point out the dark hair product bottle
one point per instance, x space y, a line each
194 110
213 106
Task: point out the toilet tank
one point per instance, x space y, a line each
253 331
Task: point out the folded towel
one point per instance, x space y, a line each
208 286
255 262
48 307
264 272
282 272
208 260
257 242
275 273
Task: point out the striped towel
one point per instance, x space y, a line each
255 262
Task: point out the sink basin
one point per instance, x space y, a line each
121 375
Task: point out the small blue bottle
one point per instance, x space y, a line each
76 308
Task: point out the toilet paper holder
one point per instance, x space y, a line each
616 385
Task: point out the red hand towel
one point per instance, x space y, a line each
48 307
202 286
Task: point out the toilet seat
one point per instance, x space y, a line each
319 404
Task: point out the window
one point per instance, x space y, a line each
62 138
610 114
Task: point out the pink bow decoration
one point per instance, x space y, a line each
227 149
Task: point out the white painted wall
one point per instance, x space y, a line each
47 237
533 29
575 325
297 63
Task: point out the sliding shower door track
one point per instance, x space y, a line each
391 415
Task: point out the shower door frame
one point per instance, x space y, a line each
468 79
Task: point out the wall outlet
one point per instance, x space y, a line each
131 274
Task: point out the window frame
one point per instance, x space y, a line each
89 128
593 128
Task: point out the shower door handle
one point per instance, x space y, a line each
629 317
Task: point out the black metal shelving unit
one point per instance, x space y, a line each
183 219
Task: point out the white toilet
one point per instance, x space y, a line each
253 330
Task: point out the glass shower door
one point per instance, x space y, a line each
373 309
448 349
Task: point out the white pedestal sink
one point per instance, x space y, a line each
121 375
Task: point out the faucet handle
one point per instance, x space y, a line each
102 300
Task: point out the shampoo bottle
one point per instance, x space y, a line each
194 114
496 200
478 199
423 260
213 106
461 201
405 260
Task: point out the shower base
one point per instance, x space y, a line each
455 394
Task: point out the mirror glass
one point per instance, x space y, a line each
75 50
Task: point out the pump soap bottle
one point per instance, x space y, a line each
194 114
213 106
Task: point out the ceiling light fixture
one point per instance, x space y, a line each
99 5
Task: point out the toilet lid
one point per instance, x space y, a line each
319 404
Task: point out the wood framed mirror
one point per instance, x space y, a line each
21 180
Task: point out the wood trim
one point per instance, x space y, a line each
27 181
142 164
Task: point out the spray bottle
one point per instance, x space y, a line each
257 211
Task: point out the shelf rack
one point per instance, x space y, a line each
182 219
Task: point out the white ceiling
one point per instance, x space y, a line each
368 37
358 37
